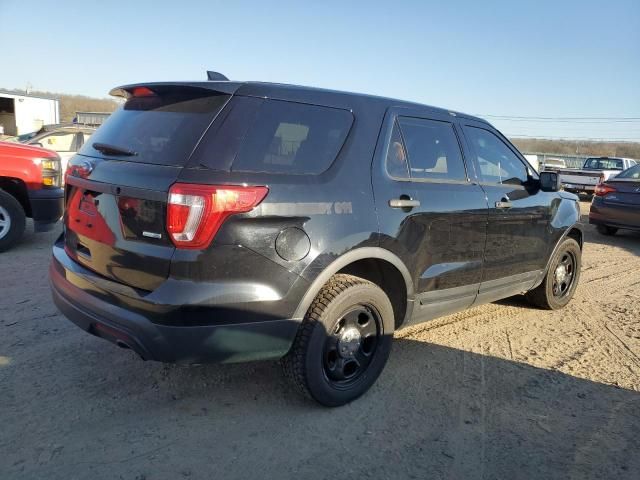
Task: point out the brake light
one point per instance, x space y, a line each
142 92
195 213
603 189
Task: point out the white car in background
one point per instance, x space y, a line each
64 140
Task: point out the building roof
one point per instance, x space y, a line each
19 93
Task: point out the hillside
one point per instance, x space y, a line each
70 104
578 147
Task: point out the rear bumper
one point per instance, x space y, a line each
47 206
620 216
83 302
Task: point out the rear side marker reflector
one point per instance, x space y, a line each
195 213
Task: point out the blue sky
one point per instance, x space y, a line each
506 58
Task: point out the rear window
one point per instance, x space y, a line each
633 172
604 164
432 148
293 138
161 129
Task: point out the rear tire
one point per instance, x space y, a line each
561 280
12 221
343 342
606 230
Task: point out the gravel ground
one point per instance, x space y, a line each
500 391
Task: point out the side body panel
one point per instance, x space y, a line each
441 239
518 233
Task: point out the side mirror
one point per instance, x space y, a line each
550 182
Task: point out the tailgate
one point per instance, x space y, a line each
580 178
118 231
117 186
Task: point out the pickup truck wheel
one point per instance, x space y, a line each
343 342
561 280
606 230
12 221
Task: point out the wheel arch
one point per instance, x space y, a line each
576 233
18 190
375 264
572 231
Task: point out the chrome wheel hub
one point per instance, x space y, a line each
349 342
561 273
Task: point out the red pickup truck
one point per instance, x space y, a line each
30 186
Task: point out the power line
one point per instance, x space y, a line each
539 120
555 119
592 139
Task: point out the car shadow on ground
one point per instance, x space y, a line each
436 412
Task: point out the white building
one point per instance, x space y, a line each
21 113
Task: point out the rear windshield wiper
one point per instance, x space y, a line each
114 150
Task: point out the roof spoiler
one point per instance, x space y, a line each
216 76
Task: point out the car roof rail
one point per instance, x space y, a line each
216 76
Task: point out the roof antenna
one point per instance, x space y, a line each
216 77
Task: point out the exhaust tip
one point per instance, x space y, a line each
122 344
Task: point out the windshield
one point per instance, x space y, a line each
160 129
604 164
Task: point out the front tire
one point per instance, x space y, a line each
343 342
606 230
12 221
561 280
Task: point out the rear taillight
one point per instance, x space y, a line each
603 189
196 212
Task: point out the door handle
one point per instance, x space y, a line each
504 203
403 203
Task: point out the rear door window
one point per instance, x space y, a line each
432 149
293 138
162 129
396 162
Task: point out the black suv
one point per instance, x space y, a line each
232 221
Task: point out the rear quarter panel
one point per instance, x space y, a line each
329 214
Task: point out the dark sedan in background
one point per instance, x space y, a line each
616 203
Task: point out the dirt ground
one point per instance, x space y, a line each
503 391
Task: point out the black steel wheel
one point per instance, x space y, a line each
564 274
351 344
343 342
560 282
